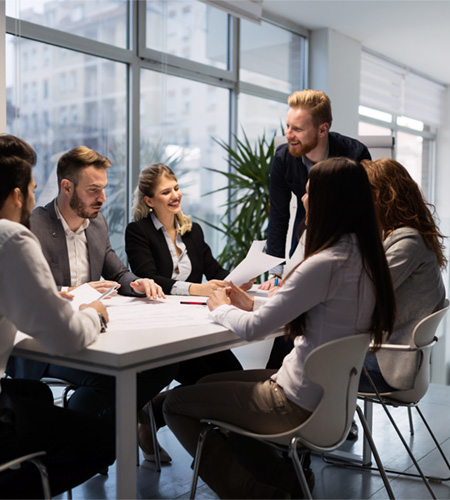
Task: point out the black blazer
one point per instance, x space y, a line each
149 255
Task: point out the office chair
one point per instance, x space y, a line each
336 367
32 458
423 340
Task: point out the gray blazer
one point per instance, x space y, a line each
103 261
419 291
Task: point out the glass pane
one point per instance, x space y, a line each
413 152
271 57
375 113
188 29
179 121
72 100
100 20
258 116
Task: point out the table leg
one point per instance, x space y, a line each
126 434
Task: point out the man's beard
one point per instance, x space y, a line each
25 215
80 208
304 149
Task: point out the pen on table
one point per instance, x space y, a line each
109 292
192 303
276 281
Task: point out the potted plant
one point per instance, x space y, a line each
247 209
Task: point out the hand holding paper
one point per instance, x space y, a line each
255 263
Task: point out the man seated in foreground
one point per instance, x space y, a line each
77 446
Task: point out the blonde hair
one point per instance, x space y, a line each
316 102
148 180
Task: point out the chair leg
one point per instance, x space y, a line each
198 453
44 477
368 435
433 437
411 423
408 449
293 453
154 437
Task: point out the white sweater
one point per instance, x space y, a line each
338 295
29 300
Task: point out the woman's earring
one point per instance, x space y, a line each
150 210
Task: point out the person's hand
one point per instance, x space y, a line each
66 295
269 284
217 298
206 289
99 307
239 298
151 289
248 285
101 286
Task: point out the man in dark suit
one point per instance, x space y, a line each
74 239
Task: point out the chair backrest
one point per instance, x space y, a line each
423 339
336 366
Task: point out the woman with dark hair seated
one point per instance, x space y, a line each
342 287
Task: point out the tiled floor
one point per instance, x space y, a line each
331 482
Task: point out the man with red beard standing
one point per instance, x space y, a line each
309 141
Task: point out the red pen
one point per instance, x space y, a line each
193 303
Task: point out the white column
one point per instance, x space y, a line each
2 67
335 62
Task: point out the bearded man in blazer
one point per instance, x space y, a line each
75 241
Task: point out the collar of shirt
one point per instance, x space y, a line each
308 163
66 228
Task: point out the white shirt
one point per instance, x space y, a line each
182 266
77 250
339 298
29 300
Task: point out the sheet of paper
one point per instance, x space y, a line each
154 313
83 294
255 263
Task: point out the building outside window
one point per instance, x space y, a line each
190 92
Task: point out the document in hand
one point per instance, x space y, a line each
83 294
255 263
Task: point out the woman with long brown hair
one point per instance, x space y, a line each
342 287
414 250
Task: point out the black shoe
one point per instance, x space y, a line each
353 433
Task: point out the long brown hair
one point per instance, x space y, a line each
400 203
340 202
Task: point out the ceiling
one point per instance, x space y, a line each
413 33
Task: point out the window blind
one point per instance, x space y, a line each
398 90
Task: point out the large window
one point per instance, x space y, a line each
397 102
143 82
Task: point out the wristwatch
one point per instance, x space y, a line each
103 324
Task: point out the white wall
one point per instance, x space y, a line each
441 354
335 62
2 68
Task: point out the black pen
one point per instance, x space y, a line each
193 303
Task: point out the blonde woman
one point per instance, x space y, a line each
164 244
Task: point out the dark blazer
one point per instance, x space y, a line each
103 261
149 255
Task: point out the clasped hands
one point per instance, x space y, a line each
232 296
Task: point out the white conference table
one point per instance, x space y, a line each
141 334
